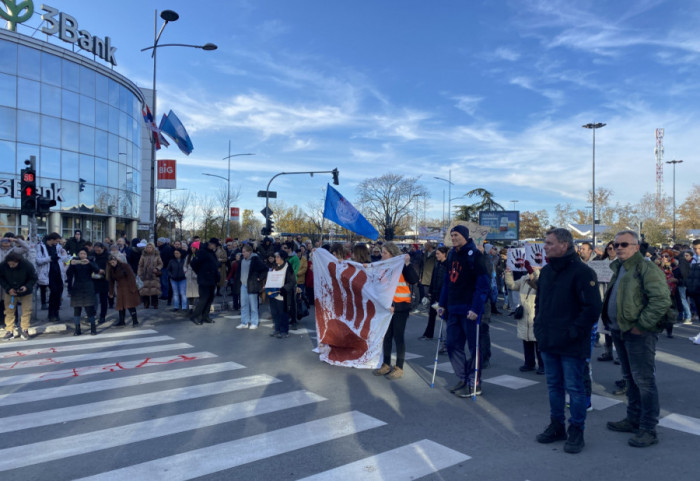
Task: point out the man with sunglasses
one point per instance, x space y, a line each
636 300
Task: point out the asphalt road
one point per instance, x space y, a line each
171 400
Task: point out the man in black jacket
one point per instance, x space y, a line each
17 278
566 308
250 278
207 268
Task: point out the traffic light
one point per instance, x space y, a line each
28 186
269 225
335 177
389 234
43 205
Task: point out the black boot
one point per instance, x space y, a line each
122 316
77 327
93 328
134 320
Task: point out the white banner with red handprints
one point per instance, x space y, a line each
534 254
353 308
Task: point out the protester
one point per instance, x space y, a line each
527 287
207 268
178 281
566 308
81 289
280 287
669 266
149 270
249 280
438 270
192 287
119 274
57 274
75 243
17 278
636 300
100 256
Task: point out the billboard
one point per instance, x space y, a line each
167 174
504 224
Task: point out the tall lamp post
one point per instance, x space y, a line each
449 196
514 202
674 162
594 127
167 16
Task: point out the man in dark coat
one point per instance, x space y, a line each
55 276
75 243
17 278
207 268
566 308
166 255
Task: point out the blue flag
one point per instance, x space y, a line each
172 126
342 212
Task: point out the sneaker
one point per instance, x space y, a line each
590 407
8 335
385 369
24 335
396 373
605 357
624 426
468 391
540 371
282 335
643 439
526 368
687 322
425 338
242 326
574 443
620 392
457 386
253 326
274 333
554 432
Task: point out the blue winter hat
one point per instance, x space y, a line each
461 230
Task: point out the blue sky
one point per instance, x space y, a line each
496 91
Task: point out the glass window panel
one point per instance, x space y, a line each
100 171
8 90
5 217
102 116
113 120
87 199
50 131
113 93
87 140
70 165
124 95
50 100
114 201
7 157
122 124
87 110
71 75
50 163
28 63
101 199
136 185
28 95
69 194
71 106
87 82
101 88
8 54
113 174
113 147
122 176
25 151
101 146
87 168
8 123
122 150
27 127
50 69
69 135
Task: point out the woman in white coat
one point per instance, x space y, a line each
527 288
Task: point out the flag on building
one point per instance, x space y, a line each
171 126
157 138
342 212
353 308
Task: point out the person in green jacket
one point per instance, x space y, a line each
635 303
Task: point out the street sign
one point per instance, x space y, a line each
270 194
266 212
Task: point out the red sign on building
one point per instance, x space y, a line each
167 174
235 214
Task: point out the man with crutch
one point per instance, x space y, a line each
466 287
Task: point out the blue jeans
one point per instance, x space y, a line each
637 359
565 374
164 284
279 317
179 293
461 330
685 312
249 307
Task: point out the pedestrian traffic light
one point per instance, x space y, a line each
270 225
335 177
43 205
28 186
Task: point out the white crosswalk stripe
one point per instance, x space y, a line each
173 399
11 346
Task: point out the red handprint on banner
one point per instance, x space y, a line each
345 328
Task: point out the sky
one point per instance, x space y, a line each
492 92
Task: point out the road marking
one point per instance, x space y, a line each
511 382
406 463
443 366
87 370
408 356
212 459
60 448
232 317
63 340
680 422
80 347
602 402
91 356
107 384
128 403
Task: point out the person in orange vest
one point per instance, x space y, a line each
400 309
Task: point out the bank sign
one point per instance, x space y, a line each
58 23
12 188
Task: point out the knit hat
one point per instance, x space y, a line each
488 248
461 230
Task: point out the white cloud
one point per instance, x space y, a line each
467 103
506 53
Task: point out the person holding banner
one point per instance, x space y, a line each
465 289
527 287
400 309
280 288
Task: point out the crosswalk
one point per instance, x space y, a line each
72 406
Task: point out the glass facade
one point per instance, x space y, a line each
83 127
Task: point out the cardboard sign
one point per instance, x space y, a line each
602 270
477 232
515 260
535 255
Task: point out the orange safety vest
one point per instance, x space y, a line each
403 291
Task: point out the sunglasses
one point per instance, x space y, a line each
666 256
624 245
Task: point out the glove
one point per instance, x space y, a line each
528 267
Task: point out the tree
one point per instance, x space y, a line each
225 198
689 211
290 219
388 201
250 225
534 225
485 203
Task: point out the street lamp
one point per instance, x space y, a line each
514 202
167 16
228 187
674 162
449 196
594 127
